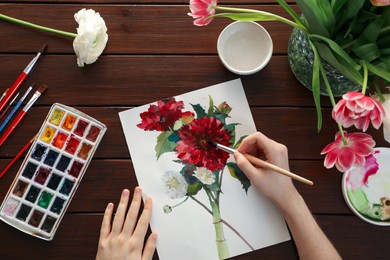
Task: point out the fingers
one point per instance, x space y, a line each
121 212
132 214
106 223
143 222
253 142
150 247
243 163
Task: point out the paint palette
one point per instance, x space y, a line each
51 172
366 189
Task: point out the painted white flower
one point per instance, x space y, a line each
175 184
205 176
91 37
386 118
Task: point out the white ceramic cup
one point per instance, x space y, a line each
244 47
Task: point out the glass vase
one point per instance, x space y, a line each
301 57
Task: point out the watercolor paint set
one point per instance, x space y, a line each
52 171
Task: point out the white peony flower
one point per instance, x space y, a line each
205 176
91 36
175 184
386 118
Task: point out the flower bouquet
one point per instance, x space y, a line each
353 36
187 135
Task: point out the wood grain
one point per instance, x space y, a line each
155 51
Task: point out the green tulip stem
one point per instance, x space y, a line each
263 16
35 26
332 100
379 92
365 77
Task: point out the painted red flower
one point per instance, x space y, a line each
358 109
194 146
353 153
162 116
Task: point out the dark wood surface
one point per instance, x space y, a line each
154 51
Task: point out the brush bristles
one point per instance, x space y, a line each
43 48
213 144
42 88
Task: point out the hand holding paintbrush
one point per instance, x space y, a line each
263 164
22 113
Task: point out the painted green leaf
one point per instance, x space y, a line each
221 117
236 173
211 107
194 188
239 142
199 110
232 129
164 145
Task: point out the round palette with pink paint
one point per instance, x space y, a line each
366 190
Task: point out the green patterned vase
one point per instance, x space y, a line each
301 57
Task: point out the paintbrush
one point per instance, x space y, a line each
22 113
4 93
261 163
20 79
10 115
8 106
20 153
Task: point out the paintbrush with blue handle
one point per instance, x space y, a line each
15 108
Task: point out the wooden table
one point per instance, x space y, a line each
154 51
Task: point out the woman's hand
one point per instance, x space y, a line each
125 238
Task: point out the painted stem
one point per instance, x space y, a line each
35 26
222 246
225 223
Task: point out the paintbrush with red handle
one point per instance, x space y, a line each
22 113
19 80
20 153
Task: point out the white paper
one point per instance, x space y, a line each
188 231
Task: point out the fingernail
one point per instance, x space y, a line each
110 205
125 192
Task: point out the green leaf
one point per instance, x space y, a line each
199 110
316 84
378 71
221 117
164 145
336 49
239 142
232 129
211 106
368 52
237 173
319 16
291 11
252 17
193 189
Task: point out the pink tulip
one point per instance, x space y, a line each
201 10
353 153
358 109
380 2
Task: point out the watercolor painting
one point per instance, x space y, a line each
367 189
202 200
